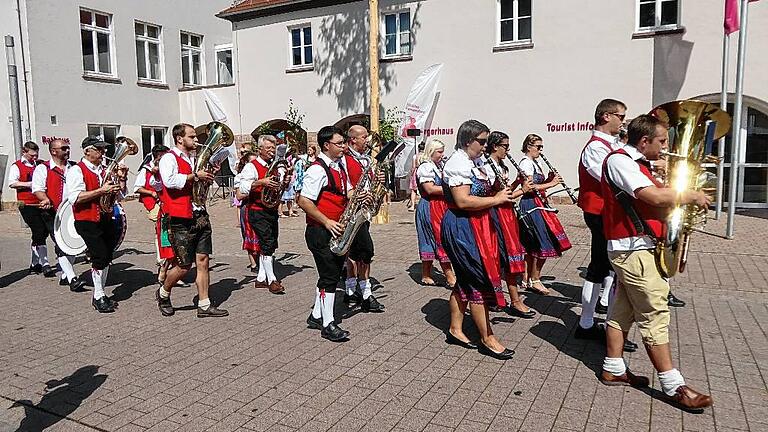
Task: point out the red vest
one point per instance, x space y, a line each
88 211
54 183
354 168
590 199
25 194
616 222
254 197
148 200
333 197
178 202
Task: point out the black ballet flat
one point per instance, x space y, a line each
453 340
515 312
507 354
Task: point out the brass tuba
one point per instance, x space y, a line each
218 135
357 211
124 147
693 126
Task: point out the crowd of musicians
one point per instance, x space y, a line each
484 215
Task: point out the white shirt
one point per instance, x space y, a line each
140 182
427 172
596 151
460 169
529 166
40 178
627 176
249 174
315 179
169 171
74 183
14 173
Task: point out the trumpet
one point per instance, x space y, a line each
565 188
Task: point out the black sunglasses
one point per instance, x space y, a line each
620 116
63 148
481 140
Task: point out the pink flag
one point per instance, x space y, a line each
731 21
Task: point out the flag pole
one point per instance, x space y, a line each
721 141
736 125
373 58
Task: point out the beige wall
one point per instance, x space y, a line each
583 52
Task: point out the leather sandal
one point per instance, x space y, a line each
532 287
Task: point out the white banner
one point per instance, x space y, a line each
417 109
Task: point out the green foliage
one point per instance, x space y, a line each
389 124
294 115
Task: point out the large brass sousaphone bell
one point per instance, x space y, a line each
692 126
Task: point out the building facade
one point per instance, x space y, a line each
110 68
520 66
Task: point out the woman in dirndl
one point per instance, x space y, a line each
505 217
429 213
471 241
551 240
250 239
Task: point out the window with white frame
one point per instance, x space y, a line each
152 136
397 33
191 59
301 45
106 132
224 71
652 14
149 52
515 21
97 43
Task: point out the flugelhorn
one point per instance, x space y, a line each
565 188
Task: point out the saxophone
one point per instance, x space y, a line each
218 135
357 212
123 147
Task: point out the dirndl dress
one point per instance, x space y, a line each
429 214
550 235
250 238
505 219
470 238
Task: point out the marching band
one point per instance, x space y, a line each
485 217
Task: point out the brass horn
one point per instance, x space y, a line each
218 136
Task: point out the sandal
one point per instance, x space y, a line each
430 282
543 290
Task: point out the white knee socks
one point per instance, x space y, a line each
66 267
262 275
35 258
589 295
607 287
328 302
266 263
98 283
366 286
350 285
42 254
317 310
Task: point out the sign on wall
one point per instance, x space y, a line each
570 127
50 139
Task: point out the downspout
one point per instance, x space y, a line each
28 129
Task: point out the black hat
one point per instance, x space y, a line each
94 141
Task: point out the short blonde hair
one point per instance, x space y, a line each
430 149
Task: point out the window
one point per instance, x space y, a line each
191 59
149 61
301 46
152 136
106 132
652 14
514 21
224 73
96 41
397 33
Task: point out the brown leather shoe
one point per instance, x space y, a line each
261 285
276 287
628 379
689 399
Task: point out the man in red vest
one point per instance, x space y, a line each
189 226
263 219
609 117
361 251
86 185
20 178
49 186
324 195
148 186
633 216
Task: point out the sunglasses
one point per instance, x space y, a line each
538 146
620 116
62 148
481 140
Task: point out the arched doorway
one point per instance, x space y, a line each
752 181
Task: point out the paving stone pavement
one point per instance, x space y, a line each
66 368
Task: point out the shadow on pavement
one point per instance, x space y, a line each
130 280
12 278
283 267
61 398
437 314
220 291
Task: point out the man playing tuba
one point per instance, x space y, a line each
634 213
189 226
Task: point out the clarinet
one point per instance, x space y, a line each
538 193
567 190
524 218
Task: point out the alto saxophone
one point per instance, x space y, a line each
358 211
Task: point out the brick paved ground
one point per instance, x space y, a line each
66 367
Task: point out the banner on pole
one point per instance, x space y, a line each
417 109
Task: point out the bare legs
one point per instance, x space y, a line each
426 273
479 313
